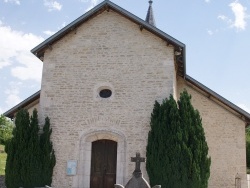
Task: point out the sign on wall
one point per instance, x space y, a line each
71 167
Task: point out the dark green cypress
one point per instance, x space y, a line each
164 145
153 144
16 149
248 146
177 152
35 152
195 155
30 159
48 154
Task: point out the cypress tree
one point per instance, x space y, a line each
177 150
153 145
48 154
248 147
35 152
195 155
30 158
16 169
164 145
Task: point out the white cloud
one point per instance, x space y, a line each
210 32
1 110
4 64
244 107
13 94
207 1
222 17
225 19
63 24
13 1
49 32
240 15
52 5
15 52
29 70
93 3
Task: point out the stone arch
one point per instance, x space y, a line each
84 166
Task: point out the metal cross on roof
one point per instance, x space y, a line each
150 16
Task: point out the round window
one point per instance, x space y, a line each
105 93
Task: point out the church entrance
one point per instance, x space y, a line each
103 164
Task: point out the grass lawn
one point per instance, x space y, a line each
3 156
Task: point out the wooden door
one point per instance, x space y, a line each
103 164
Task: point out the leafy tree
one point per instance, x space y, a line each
26 153
6 128
177 150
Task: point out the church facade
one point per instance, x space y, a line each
101 76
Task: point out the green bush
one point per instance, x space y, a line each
6 128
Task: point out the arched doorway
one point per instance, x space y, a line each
103 164
82 179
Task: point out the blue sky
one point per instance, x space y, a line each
216 34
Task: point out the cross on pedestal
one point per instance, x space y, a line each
138 159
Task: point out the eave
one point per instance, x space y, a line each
107 6
242 114
180 55
11 113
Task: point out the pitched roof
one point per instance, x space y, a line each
11 112
108 5
150 15
245 116
180 50
242 114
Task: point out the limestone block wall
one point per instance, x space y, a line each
107 51
225 134
35 106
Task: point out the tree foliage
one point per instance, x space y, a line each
177 152
48 156
25 153
248 146
6 128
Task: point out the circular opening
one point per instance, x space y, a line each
105 93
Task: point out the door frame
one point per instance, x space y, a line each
84 167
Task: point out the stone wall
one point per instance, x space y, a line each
225 134
108 51
34 106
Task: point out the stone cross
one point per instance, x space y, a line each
138 159
137 180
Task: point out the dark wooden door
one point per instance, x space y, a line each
103 164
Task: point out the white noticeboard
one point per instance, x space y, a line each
71 167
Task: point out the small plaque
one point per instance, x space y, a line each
71 167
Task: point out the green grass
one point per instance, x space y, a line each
3 156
